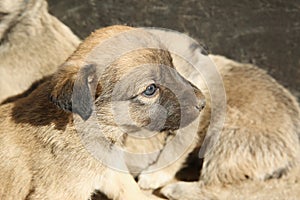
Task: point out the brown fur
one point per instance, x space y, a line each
257 146
259 141
44 152
285 188
33 44
257 153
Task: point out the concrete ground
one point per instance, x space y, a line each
262 32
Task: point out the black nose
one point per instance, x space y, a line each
201 104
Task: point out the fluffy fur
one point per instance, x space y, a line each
258 145
61 141
32 44
257 153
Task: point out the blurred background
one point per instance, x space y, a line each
263 32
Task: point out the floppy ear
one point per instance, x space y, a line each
73 89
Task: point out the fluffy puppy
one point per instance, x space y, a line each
256 141
257 151
64 140
32 44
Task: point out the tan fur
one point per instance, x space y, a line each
285 188
33 44
257 147
45 149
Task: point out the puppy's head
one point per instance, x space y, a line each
138 89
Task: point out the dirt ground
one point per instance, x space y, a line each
262 32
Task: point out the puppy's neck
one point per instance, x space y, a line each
94 129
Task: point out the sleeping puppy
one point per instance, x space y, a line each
249 130
33 44
65 139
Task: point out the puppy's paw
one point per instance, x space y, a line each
154 180
182 191
155 198
142 197
174 191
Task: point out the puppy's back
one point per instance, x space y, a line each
260 136
33 44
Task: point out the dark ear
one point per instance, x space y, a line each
73 89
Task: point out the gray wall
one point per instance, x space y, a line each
263 32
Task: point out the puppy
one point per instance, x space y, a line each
32 44
248 135
65 139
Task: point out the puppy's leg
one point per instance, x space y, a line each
121 186
285 188
188 191
235 160
161 177
176 151
182 190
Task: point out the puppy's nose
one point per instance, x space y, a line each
201 104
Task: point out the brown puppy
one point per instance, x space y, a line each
32 44
257 141
258 149
118 81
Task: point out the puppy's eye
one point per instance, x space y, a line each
150 90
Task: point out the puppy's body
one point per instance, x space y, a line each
32 44
285 188
65 148
259 139
258 146
261 127
29 168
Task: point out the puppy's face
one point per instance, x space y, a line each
143 90
139 90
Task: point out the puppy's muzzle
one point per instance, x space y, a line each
201 104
